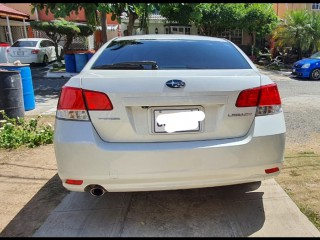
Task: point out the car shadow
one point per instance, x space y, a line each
302 79
35 212
227 211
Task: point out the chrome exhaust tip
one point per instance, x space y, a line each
97 191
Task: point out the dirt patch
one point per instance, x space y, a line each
30 186
27 174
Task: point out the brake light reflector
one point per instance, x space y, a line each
74 182
265 98
97 100
271 170
35 51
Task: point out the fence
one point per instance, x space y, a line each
16 31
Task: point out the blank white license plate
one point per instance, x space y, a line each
20 53
160 128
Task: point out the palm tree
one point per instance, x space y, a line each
296 31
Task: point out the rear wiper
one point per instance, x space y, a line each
129 65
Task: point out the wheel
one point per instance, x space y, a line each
45 60
315 74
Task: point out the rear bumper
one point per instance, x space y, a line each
30 59
82 155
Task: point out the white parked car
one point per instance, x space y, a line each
160 112
33 50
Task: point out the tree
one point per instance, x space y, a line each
182 13
62 10
55 30
259 20
218 17
133 11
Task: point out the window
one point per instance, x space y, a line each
43 44
315 6
178 30
174 54
50 44
25 44
234 36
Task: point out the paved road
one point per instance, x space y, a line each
242 210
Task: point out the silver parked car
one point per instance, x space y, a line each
159 112
33 50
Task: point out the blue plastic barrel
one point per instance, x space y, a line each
27 85
70 63
81 61
89 55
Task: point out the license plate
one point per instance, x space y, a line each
294 70
164 119
20 53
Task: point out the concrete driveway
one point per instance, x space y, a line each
257 209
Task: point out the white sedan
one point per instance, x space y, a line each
160 112
33 50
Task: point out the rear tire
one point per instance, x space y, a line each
45 60
315 74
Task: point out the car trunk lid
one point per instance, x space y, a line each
139 97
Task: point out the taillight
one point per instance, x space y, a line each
35 51
74 103
97 100
265 98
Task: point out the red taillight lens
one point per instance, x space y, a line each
71 99
267 95
74 182
35 51
271 170
97 100
248 98
74 103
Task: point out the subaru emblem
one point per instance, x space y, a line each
175 83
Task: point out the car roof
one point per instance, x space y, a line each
32 39
171 36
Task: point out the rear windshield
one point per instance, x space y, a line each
174 54
25 44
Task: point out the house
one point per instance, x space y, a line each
13 24
20 15
282 8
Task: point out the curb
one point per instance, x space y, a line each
60 74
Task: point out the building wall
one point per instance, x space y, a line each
282 8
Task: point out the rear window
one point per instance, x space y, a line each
25 44
174 54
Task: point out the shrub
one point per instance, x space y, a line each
17 132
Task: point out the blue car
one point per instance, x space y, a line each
308 67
